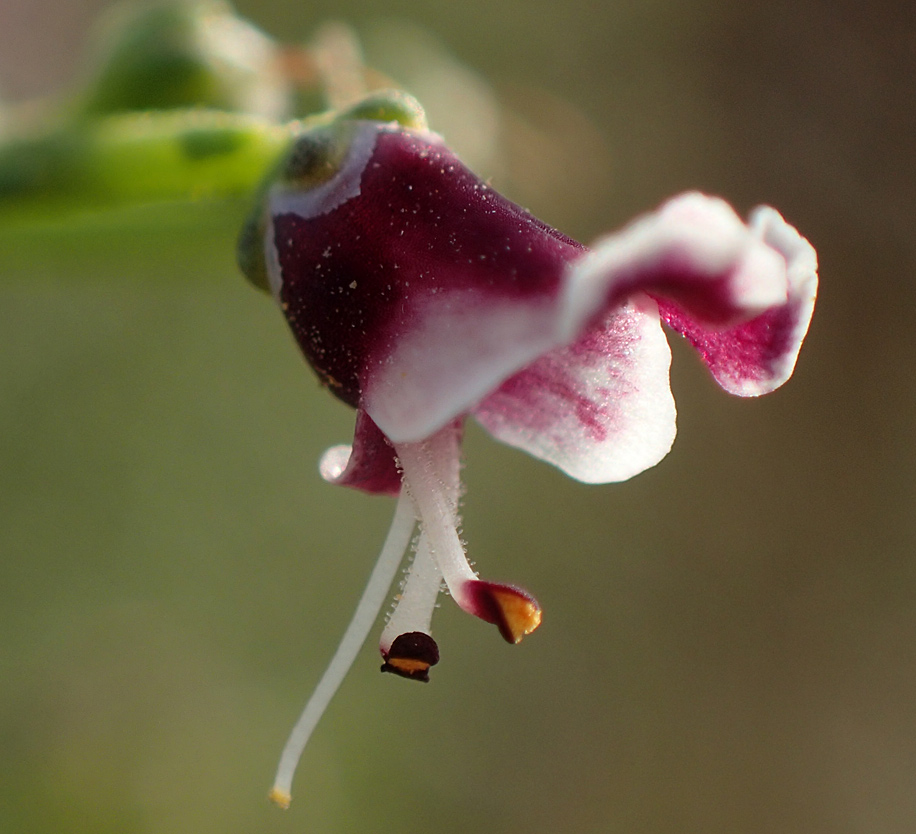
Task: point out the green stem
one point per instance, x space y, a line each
136 159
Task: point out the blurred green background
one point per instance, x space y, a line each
729 642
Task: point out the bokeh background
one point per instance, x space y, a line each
729 641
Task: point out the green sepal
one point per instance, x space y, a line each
388 106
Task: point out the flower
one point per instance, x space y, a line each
419 296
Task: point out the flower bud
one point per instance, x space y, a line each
185 54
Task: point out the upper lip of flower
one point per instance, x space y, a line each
420 295
404 248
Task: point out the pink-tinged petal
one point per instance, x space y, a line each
694 252
758 356
412 287
369 464
601 408
457 350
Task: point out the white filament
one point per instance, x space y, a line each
366 612
417 601
432 477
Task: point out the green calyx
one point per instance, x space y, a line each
387 106
318 152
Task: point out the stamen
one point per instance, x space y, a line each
411 655
513 611
279 797
366 612
406 645
432 477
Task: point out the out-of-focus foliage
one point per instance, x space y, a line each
184 102
187 101
728 643
164 56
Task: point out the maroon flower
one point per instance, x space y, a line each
419 296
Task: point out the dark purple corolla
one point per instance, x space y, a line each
419 295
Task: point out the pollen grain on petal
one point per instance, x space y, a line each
513 611
280 797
